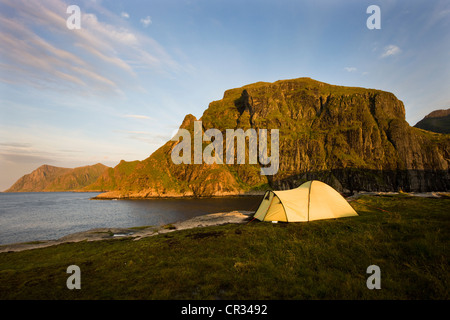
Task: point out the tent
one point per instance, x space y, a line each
313 200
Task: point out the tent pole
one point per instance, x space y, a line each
309 197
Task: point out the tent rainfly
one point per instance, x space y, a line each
313 200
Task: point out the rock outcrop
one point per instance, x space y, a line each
351 138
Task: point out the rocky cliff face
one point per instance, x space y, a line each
351 138
49 178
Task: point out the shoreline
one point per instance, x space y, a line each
112 195
135 233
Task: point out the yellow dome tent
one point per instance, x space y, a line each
313 200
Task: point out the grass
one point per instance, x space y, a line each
326 259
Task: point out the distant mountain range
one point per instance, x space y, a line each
50 178
351 138
436 121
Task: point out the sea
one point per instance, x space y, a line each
38 216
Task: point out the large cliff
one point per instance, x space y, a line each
351 138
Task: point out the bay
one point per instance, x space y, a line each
34 216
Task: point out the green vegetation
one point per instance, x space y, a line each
322 128
77 178
111 177
407 237
52 179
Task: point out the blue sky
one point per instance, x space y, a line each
121 85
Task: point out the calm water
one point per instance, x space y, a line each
45 216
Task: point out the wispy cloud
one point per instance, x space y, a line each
107 33
146 21
139 132
101 57
350 69
137 116
390 50
23 158
15 145
23 152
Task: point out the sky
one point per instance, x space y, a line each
120 85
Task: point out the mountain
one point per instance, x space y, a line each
351 138
50 178
37 180
111 178
437 121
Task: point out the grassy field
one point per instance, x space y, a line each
327 259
